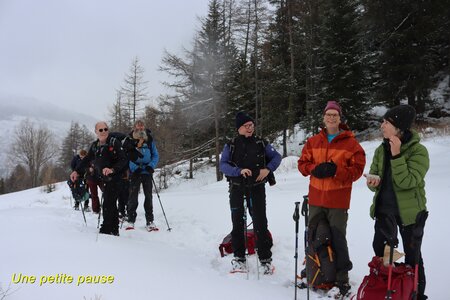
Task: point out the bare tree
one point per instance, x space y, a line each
33 147
134 89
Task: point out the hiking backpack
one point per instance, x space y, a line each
375 285
129 144
262 143
79 190
320 257
226 247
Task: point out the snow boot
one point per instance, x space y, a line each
151 227
341 290
239 265
266 267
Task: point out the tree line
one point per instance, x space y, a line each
281 61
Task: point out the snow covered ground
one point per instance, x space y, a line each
42 236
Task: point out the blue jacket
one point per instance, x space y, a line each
150 158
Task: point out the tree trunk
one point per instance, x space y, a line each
291 104
219 175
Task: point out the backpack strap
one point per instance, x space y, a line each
231 146
263 143
259 141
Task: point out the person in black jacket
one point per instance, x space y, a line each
247 162
73 165
110 161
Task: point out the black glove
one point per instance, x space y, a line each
324 170
149 169
137 171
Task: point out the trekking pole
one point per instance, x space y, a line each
296 217
162 208
250 210
99 214
389 290
389 230
245 233
82 211
417 242
305 214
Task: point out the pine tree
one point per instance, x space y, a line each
409 45
78 137
2 186
120 116
341 61
201 80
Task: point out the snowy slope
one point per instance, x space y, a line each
42 236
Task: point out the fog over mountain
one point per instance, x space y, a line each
14 109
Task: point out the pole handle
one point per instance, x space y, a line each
296 215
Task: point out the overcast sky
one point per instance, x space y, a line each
75 53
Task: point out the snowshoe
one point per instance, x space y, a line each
129 226
151 227
267 268
340 291
239 265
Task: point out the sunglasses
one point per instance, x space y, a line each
103 129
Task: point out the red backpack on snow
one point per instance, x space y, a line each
226 248
375 285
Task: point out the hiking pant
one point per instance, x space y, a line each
123 195
256 202
410 248
337 218
94 195
110 223
135 183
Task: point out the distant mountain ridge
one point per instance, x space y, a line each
34 108
15 109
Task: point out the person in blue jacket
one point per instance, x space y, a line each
141 172
247 161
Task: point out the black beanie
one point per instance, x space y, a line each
242 118
401 116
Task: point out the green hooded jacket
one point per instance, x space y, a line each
408 174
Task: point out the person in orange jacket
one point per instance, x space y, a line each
333 159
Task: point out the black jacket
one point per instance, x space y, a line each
109 155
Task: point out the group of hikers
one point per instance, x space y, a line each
118 166
333 159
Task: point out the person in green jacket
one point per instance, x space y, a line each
397 176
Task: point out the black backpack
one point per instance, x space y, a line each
262 143
320 257
129 144
79 190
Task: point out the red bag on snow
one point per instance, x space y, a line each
226 248
374 286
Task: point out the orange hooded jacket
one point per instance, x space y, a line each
350 158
